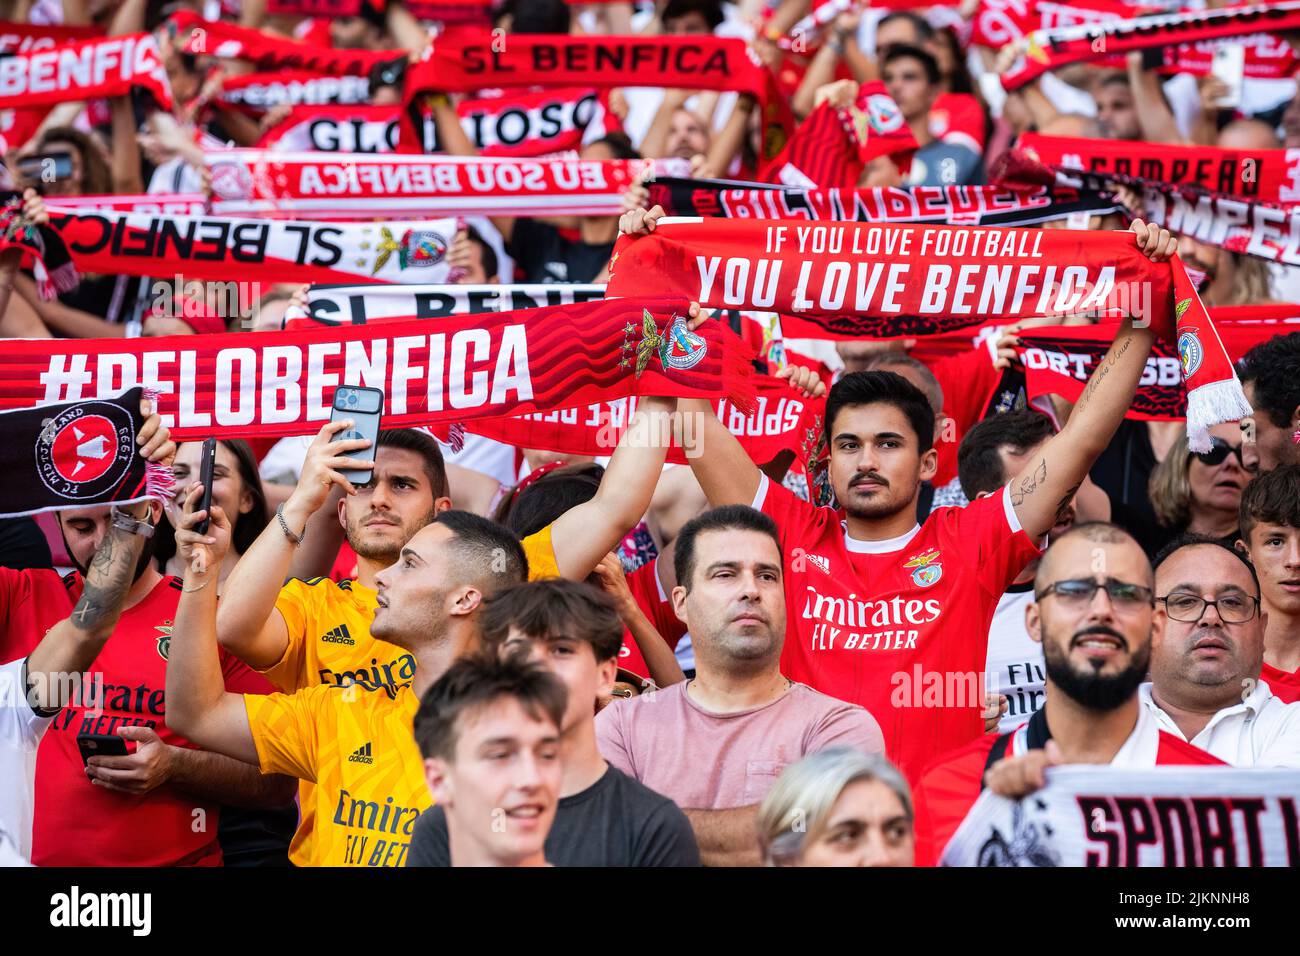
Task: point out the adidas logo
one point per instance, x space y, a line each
362 754
819 561
339 635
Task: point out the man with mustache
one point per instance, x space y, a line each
716 744
1205 666
889 613
1096 628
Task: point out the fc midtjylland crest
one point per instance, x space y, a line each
85 451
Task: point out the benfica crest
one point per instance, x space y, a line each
164 638
926 568
85 451
677 347
1190 351
417 249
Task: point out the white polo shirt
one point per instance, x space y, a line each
1261 731
21 730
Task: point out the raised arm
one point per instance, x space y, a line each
583 535
1049 482
198 705
251 627
72 645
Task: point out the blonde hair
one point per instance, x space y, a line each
1170 488
795 811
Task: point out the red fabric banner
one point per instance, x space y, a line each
465 367
85 70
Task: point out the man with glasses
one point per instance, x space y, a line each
1205 665
1094 611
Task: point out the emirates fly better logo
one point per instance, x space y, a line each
85 450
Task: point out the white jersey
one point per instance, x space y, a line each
1014 666
21 730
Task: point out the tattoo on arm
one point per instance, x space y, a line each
1026 485
108 579
1064 503
1103 370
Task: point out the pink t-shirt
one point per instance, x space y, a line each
707 761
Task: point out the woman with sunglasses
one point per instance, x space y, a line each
1199 491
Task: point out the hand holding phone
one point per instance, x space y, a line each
363 406
100 745
1229 65
207 463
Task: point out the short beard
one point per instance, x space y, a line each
383 554
142 565
1091 689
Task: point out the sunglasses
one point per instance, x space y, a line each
1218 452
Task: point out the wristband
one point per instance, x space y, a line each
284 526
127 523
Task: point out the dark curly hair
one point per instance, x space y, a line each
1274 369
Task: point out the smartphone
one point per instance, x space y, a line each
100 745
207 462
362 405
1229 65
42 169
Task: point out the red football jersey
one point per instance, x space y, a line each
76 822
951 785
1285 686
878 623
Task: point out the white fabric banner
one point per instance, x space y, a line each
1105 816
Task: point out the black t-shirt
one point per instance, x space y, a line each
543 255
614 822
1124 469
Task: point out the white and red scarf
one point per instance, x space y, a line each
462 368
517 124
369 186
1187 36
444 11
360 304
1203 817
266 251
268 52
834 144
890 280
256 92
171 204
1262 175
955 205
1254 229
1058 360
466 61
30 37
777 422
84 70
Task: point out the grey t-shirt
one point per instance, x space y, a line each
614 822
945 164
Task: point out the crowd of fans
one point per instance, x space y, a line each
503 655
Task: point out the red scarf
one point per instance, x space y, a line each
171 204
1264 175
999 22
1050 49
467 367
369 186
775 424
465 61
441 10
1253 229
254 92
891 280
19 126
832 146
955 205
1058 360
29 37
268 52
222 249
518 124
85 70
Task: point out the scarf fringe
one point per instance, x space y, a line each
52 283
738 376
159 481
1212 404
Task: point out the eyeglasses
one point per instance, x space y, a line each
1079 592
1219 450
1188 608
